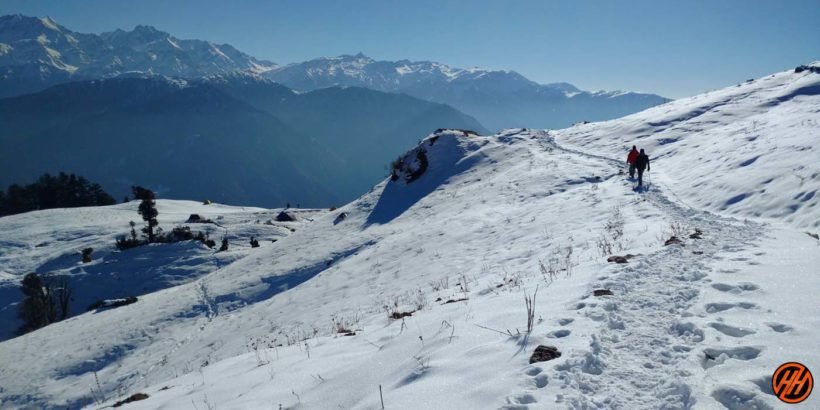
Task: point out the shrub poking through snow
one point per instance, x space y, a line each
87 254
124 242
178 234
530 302
809 68
409 167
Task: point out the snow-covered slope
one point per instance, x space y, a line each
50 242
750 150
702 324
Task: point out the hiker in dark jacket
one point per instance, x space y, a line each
630 161
642 163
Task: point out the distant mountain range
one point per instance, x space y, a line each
499 99
36 53
195 119
230 138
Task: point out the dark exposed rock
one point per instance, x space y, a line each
284 217
673 241
544 353
132 398
601 292
398 315
617 259
112 303
196 219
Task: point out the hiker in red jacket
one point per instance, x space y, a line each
630 160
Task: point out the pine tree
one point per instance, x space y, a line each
46 301
36 309
61 191
148 209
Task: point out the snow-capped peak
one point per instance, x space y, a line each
48 22
60 54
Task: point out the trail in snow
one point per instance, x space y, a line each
640 354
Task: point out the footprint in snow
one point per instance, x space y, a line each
764 383
736 399
716 356
720 307
557 334
516 401
687 331
689 276
731 330
538 378
533 371
779 327
739 288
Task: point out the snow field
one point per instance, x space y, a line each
701 324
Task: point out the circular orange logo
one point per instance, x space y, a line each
792 382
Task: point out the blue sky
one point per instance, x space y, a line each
673 48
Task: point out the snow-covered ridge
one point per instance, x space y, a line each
749 150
